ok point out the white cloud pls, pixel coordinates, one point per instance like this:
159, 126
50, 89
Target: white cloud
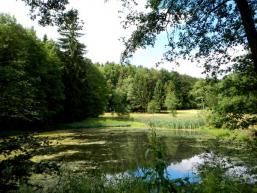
187, 165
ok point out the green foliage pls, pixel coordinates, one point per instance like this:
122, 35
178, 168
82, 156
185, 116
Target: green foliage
31, 88
158, 94
183, 84
171, 103
85, 86
140, 91
237, 99
138, 86
43, 83
205, 94
94, 92
232, 100
196, 29
70, 29
119, 103
153, 107
47, 12
178, 123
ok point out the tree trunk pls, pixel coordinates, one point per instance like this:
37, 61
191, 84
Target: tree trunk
249, 26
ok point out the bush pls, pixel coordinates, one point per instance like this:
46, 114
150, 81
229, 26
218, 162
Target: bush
153, 107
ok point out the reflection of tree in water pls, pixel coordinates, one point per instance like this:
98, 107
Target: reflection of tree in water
178, 148
223, 174
110, 151
114, 151
120, 150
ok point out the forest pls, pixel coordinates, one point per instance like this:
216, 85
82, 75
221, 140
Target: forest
68, 124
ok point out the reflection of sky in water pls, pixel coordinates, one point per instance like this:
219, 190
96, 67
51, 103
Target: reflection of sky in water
184, 169
187, 168
170, 174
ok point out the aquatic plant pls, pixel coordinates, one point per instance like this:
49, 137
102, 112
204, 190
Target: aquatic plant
176, 123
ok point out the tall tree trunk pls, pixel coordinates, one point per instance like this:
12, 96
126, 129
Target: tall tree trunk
250, 30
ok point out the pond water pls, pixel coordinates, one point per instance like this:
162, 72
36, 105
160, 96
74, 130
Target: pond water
117, 151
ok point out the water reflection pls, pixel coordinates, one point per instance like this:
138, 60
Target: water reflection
191, 169
115, 151
187, 168
121, 151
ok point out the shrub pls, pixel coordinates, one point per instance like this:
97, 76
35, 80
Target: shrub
153, 107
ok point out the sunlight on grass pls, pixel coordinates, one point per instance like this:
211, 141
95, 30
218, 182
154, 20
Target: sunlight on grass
104, 121
221, 133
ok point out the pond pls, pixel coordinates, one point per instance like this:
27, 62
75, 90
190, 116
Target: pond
116, 151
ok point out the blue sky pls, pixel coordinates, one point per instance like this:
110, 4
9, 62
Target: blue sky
102, 31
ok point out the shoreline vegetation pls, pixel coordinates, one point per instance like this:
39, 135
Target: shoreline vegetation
185, 120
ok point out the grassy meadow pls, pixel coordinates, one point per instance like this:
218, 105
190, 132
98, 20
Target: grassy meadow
184, 120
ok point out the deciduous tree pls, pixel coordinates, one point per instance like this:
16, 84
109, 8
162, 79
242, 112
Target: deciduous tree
201, 29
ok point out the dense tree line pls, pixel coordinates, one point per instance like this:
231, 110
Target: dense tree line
45, 81
233, 99
42, 82
230, 101
139, 89
30, 75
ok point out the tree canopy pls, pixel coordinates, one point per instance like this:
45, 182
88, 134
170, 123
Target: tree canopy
47, 12
42, 82
30, 70
205, 30
202, 29
85, 86
139, 89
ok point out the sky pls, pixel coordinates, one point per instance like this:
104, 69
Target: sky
102, 32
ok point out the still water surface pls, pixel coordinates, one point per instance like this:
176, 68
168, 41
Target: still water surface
119, 150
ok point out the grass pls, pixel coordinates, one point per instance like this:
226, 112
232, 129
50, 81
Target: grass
104, 121
226, 134
186, 119
176, 123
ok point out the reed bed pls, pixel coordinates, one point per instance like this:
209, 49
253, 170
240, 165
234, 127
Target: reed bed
174, 123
